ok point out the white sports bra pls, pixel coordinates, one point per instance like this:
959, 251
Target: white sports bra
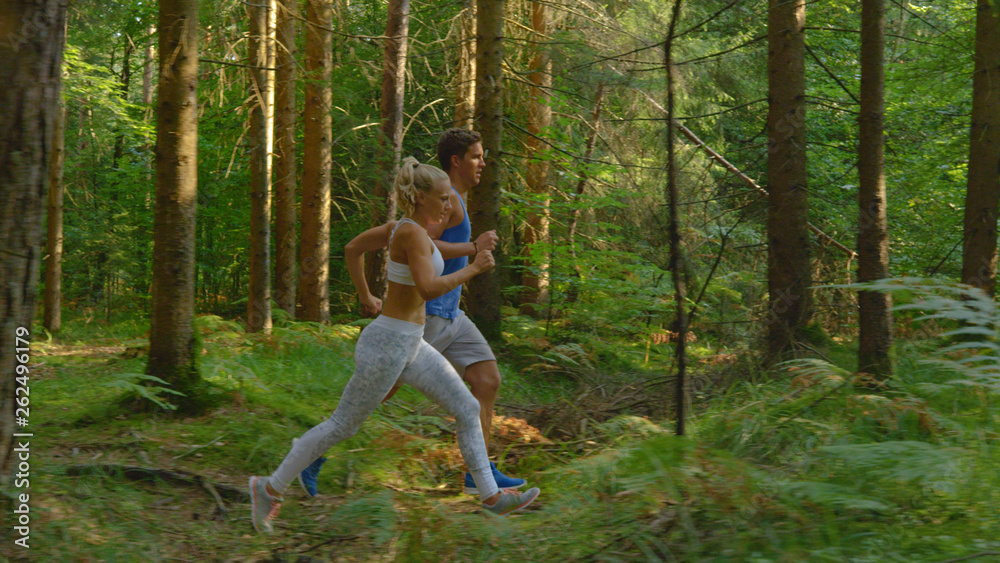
400, 273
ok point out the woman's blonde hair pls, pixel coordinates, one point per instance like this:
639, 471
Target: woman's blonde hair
414, 177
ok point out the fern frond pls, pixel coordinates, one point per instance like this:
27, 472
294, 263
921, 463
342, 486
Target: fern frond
834, 496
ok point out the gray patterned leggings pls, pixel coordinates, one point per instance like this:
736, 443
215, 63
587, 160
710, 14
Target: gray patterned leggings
389, 350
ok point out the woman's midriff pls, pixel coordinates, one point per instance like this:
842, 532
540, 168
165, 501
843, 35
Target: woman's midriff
403, 302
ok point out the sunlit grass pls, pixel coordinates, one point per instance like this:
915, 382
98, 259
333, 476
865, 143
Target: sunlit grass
801, 464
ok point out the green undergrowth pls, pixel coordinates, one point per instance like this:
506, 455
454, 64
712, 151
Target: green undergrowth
807, 463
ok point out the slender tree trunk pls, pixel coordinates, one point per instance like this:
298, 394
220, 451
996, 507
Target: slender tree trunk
29, 101
874, 308
535, 275
54, 240
314, 249
126, 78
573, 293
285, 160
148, 68
676, 256
484, 201
979, 256
789, 274
393, 89
465, 91
171, 338
259, 297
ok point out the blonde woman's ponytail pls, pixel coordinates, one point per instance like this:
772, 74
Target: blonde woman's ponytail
414, 177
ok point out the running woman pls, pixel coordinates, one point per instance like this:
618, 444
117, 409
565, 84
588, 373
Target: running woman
391, 349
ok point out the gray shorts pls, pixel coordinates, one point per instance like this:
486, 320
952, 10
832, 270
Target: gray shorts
458, 340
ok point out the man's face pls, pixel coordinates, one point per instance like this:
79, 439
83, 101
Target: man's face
471, 165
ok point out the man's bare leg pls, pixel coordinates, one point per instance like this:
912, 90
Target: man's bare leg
484, 382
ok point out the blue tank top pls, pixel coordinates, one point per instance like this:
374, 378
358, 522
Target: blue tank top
447, 305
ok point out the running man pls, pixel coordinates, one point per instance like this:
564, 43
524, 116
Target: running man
447, 328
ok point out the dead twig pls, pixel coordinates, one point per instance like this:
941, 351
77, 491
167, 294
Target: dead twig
196, 448
138, 473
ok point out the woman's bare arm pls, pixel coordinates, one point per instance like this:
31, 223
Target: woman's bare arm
371, 240
418, 251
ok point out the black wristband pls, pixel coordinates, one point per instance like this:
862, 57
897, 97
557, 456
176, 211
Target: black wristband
476, 247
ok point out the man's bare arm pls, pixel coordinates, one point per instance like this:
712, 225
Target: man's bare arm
485, 241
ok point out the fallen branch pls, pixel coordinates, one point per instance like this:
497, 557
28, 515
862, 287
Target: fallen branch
218, 499
138, 473
334, 539
973, 556
196, 448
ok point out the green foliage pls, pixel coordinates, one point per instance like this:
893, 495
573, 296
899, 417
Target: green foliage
805, 465
375, 514
144, 387
906, 462
971, 320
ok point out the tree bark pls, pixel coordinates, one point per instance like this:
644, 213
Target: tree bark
34, 34
676, 256
573, 292
874, 308
285, 159
54, 219
148, 67
465, 91
535, 275
259, 296
314, 249
484, 201
393, 89
979, 256
788, 275
126, 78
171, 337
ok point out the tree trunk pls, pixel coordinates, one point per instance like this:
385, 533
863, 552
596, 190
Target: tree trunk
171, 336
676, 256
54, 241
259, 297
484, 201
465, 91
285, 160
788, 275
393, 89
126, 78
29, 101
535, 276
874, 308
979, 256
573, 292
148, 68
314, 249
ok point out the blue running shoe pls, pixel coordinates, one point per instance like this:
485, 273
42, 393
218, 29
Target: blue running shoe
308, 477
503, 481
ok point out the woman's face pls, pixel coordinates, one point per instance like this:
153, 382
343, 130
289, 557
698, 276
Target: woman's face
436, 203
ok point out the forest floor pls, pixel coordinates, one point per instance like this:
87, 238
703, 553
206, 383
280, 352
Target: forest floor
110, 485
803, 466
